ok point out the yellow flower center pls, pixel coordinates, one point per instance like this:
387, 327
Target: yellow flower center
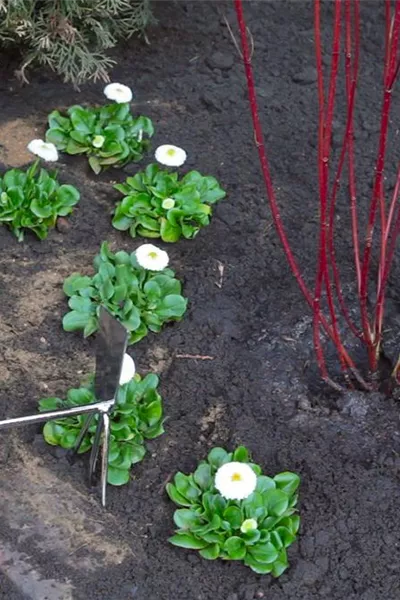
153, 255
236, 477
171, 152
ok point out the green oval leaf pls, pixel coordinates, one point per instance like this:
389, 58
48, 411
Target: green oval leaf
58, 137
277, 502
53, 432
68, 439
169, 232
235, 547
265, 483
68, 195
117, 476
172, 306
281, 564
218, 456
211, 552
257, 567
251, 537
234, 516
95, 165
186, 519
41, 209
74, 283
176, 496
203, 476
185, 540
122, 223
264, 553
74, 321
50, 404
80, 304
80, 397
286, 536
241, 454
287, 482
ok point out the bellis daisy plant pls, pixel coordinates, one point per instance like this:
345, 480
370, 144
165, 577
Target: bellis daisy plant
230, 510
157, 204
136, 417
108, 135
34, 199
137, 289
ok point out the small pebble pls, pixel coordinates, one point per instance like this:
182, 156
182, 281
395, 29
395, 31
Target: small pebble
304, 403
211, 101
306, 76
220, 60
63, 225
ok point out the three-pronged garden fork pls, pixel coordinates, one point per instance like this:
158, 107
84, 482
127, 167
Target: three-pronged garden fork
111, 342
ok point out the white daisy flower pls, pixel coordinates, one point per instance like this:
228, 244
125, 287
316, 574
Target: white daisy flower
171, 156
248, 525
168, 203
98, 141
44, 150
151, 258
128, 370
235, 480
118, 92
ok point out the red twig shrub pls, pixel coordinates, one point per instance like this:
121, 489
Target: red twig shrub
325, 298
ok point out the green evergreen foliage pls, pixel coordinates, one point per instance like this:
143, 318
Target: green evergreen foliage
70, 37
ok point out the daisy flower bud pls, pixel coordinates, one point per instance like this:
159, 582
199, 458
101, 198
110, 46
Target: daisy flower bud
98, 141
168, 203
248, 525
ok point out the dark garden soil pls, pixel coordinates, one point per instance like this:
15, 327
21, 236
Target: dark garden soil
260, 387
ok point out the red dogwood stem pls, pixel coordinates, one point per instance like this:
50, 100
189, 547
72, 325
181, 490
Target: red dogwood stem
390, 255
324, 151
331, 247
388, 29
351, 78
373, 343
347, 147
272, 198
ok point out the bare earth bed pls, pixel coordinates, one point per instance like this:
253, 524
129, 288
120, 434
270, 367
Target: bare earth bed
259, 389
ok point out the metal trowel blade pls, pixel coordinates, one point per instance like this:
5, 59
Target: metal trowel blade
111, 341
